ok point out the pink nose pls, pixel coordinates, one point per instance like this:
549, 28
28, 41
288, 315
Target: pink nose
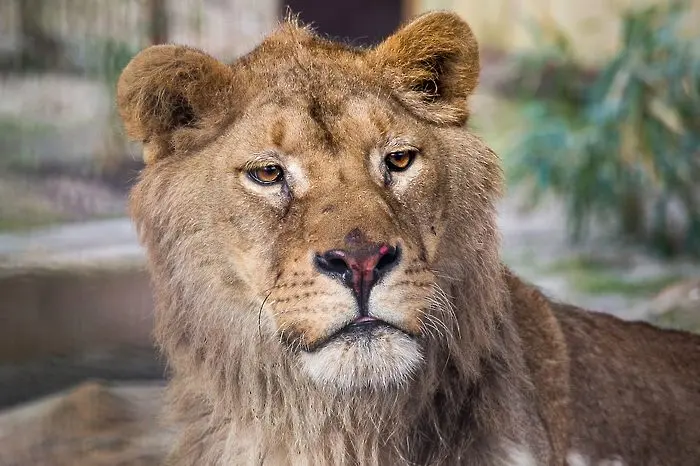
359, 269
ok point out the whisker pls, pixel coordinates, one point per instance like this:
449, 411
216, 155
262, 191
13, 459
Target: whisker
260, 315
447, 307
434, 323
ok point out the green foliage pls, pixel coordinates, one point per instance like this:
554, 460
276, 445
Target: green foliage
623, 144
598, 278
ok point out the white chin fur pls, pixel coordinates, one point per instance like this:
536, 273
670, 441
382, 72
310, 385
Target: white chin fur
385, 359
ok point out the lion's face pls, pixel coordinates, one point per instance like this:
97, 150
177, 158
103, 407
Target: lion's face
319, 200
336, 234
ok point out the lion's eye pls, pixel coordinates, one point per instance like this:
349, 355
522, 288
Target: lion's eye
400, 160
269, 174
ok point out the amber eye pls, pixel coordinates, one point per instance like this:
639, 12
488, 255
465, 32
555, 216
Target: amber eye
269, 174
400, 160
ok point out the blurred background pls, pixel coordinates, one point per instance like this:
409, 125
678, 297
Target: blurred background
594, 108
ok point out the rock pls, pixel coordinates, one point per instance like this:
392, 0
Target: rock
678, 306
92, 425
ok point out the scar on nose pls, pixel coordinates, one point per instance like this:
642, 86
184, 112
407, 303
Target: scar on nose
328, 209
355, 237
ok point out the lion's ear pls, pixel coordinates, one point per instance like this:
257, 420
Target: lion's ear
172, 98
433, 64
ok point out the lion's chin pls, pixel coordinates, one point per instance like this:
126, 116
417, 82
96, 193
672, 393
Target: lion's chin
378, 358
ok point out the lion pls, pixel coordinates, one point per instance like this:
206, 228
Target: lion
320, 226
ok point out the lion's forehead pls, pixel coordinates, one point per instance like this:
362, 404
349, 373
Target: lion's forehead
299, 61
311, 124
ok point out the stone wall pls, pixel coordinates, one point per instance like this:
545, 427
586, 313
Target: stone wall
61, 112
225, 27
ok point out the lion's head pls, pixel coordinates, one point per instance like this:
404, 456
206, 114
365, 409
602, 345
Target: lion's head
309, 209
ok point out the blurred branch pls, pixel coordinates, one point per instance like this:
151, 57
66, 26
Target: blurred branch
158, 24
621, 144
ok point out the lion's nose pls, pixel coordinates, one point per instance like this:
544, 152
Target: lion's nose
359, 269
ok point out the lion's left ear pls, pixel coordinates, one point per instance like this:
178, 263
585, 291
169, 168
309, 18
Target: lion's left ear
433, 65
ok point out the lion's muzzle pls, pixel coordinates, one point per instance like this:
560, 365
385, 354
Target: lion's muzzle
359, 268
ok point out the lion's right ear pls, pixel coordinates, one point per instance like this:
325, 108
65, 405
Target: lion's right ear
172, 98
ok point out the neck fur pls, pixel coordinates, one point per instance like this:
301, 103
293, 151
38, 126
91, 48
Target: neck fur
270, 413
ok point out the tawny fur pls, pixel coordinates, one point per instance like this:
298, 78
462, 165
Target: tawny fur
487, 371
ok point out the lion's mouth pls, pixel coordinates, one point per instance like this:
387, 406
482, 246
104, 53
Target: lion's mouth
361, 328
363, 320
